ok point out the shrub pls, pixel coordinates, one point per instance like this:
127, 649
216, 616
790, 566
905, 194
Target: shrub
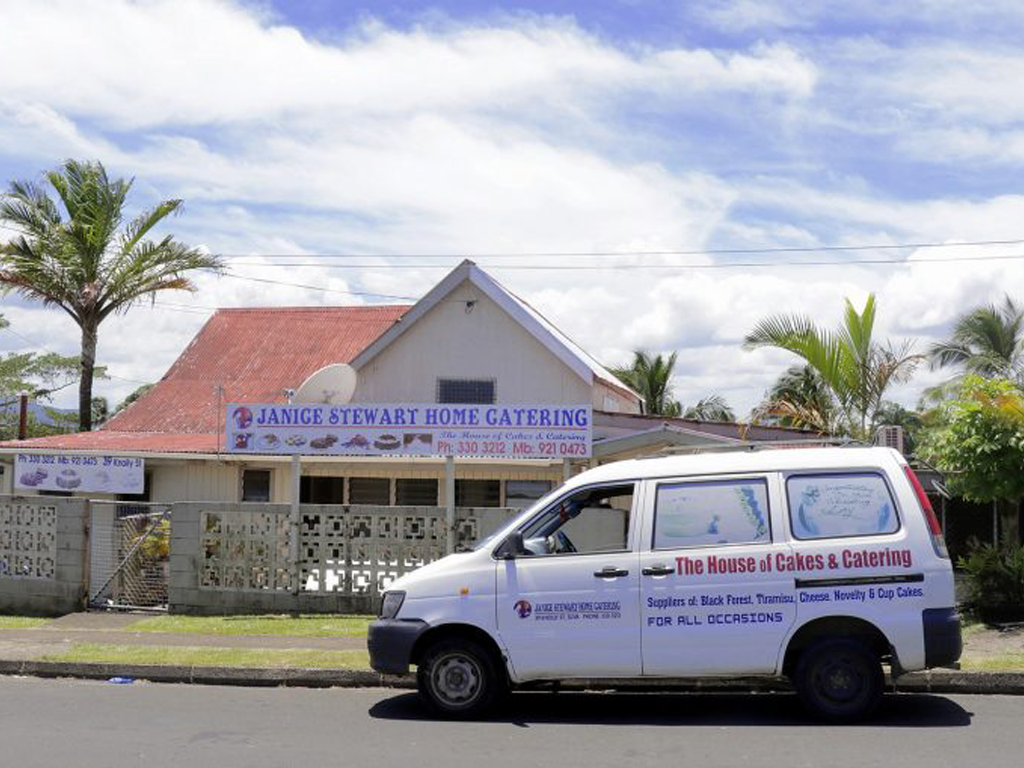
995, 581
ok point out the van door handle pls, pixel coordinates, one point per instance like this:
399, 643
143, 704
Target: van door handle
610, 572
658, 570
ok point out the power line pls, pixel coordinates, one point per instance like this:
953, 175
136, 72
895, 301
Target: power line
588, 254
316, 287
598, 267
40, 348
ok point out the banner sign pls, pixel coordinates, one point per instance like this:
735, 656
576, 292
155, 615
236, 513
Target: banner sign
419, 429
61, 472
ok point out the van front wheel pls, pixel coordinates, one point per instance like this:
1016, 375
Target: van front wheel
458, 678
839, 680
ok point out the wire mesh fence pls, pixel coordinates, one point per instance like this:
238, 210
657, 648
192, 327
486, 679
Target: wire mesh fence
129, 555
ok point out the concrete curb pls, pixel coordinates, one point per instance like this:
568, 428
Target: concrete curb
295, 677
1002, 683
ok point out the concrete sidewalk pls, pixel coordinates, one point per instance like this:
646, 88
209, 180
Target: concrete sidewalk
22, 651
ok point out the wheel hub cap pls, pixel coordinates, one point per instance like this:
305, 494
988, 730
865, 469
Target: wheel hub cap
457, 679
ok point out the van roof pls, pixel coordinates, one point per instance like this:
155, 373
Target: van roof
771, 460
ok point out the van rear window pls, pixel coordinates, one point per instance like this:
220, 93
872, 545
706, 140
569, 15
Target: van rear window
838, 505
700, 514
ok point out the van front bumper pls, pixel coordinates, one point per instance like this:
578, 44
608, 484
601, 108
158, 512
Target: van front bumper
390, 642
942, 641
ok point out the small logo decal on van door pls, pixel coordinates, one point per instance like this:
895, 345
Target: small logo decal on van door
523, 608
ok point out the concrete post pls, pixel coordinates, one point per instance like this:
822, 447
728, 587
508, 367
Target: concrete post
449, 499
293, 549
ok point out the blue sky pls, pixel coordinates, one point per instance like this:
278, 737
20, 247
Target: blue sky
298, 129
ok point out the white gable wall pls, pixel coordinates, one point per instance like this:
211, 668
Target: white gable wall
483, 343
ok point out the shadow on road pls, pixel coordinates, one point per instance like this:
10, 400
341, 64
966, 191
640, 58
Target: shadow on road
700, 709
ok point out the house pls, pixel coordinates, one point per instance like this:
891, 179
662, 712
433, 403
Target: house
468, 340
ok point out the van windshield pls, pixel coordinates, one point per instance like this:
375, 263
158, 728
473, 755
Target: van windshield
503, 530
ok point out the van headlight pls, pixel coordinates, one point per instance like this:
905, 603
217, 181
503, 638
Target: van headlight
391, 604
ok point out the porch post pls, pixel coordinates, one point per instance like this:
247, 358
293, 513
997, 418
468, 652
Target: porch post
449, 499
293, 548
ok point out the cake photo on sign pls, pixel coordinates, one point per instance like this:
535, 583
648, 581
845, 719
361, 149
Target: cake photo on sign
322, 443
34, 478
68, 478
268, 442
387, 442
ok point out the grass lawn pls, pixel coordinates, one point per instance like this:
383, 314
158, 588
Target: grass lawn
91, 653
21, 622
1006, 662
297, 626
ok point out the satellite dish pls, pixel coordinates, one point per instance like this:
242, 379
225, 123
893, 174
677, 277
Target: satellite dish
331, 385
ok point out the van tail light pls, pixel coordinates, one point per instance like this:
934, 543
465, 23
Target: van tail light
938, 543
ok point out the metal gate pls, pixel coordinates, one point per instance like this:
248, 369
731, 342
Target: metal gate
129, 555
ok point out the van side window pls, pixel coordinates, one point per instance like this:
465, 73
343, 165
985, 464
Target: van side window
589, 521
708, 513
836, 505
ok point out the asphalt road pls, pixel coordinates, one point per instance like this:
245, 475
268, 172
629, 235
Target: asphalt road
80, 724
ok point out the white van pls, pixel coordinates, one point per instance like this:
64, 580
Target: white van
814, 564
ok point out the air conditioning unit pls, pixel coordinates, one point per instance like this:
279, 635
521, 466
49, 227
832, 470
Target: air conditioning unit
890, 436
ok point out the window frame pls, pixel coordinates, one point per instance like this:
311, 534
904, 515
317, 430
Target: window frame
478, 380
897, 511
631, 532
731, 479
270, 485
411, 480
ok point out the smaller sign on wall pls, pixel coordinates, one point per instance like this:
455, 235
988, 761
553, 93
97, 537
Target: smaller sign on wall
63, 472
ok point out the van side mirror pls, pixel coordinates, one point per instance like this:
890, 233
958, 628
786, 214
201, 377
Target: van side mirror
512, 547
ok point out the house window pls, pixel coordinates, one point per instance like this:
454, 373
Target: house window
477, 493
322, 490
256, 485
415, 492
522, 493
470, 391
369, 490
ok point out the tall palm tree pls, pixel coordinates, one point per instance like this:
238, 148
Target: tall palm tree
74, 253
855, 368
800, 399
987, 341
651, 376
710, 408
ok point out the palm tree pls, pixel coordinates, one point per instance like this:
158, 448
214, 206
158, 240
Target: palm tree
987, 341
855, 368
73, 253
799, 399
651, 376
710, 408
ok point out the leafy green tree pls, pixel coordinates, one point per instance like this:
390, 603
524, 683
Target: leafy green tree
651, 376
100, 410
710, 408
896, 415
856, 369
987, 341
39, 375
799, 399
132, 397
979, 442
75, 252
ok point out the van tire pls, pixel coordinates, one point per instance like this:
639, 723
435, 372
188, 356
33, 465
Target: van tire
839, 680
459, 679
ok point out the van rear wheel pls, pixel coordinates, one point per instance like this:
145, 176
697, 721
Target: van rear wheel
459, 679
839, 680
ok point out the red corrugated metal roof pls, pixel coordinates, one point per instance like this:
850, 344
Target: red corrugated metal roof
252, 354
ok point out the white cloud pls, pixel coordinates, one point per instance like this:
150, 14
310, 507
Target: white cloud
132, 68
